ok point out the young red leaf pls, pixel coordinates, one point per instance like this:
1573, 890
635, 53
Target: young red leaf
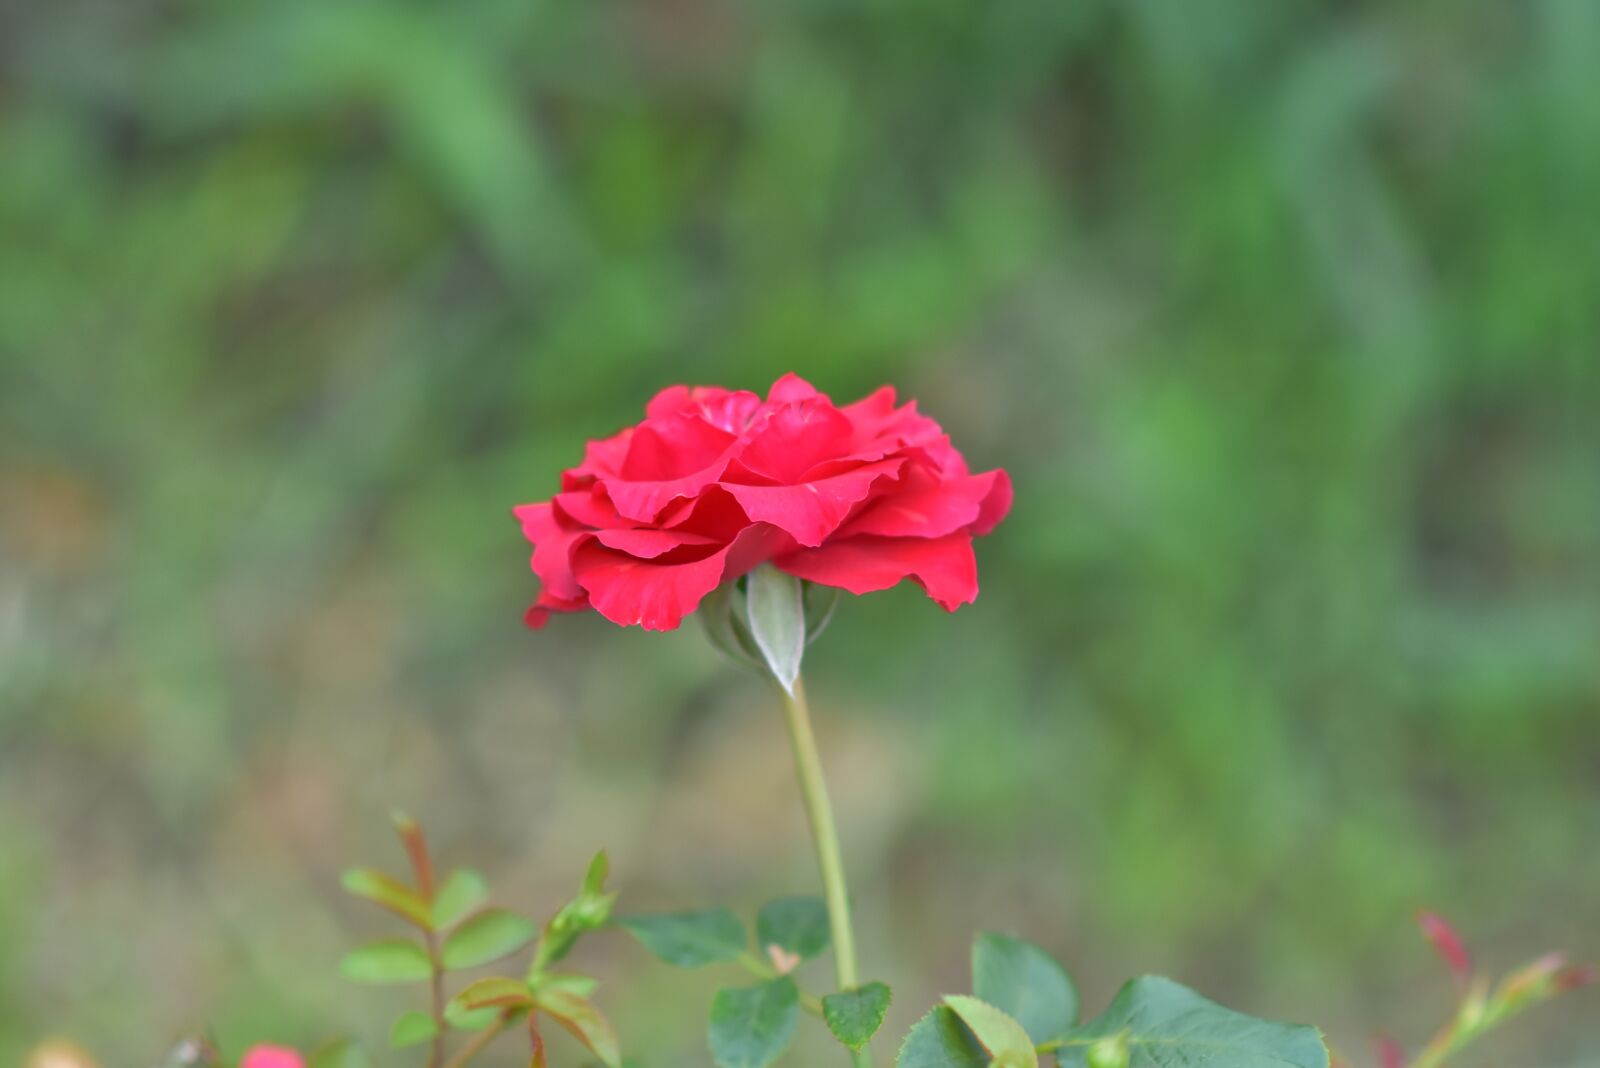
1390, 1055
584, 1020
416, 846
538, 1059
1447, 943
497, 992
390, 893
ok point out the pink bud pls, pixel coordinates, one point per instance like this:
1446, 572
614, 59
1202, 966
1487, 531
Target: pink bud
271, 1057
1446, 943
1390, 1055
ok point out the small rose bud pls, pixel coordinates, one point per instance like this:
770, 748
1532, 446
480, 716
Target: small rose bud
1390, 1053
782, 960
1109, 1052
1446, 943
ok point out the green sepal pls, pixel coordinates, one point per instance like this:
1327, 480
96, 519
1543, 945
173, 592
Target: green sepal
776, 608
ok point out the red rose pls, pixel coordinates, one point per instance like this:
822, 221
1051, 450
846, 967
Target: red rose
715, 482
271, 1057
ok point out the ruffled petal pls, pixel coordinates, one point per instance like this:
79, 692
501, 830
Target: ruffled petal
791, 439
944, 567
553, 542
539, 613
729, 410
922, 505
996, 503
647, 544
812, 510
656, 596
665, 463
791, 388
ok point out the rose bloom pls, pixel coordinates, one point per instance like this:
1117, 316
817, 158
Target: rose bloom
264, 1056
715, 482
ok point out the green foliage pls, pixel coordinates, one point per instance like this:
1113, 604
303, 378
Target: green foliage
751, 1026
497, 992
581, 1017
487, 936
1008, 1045
689, 939
1278, 312
1023, 980
389, 892
941, 1040
854, 1016
462, 892
588, 911
339, 1053
392, 960
462, 1018
1169, 1026
797, 925
411, 1028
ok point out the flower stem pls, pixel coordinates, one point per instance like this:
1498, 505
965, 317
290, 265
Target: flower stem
825, 837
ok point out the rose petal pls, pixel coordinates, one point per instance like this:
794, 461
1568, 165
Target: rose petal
996, 503
944, 567
647, 544
656, 596
926, 506
790, 388
538, 614
725, 409
552, 541
812, 510
264, 1056
791, 439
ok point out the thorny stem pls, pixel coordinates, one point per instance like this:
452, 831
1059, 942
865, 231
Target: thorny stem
825, 837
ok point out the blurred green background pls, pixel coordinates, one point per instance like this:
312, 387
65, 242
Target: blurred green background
1282, 315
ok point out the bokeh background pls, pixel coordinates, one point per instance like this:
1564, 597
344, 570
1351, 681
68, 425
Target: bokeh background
1282, 315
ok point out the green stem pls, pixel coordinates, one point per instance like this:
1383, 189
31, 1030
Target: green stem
825, 837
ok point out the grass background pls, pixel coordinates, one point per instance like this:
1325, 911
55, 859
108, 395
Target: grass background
1282, 315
